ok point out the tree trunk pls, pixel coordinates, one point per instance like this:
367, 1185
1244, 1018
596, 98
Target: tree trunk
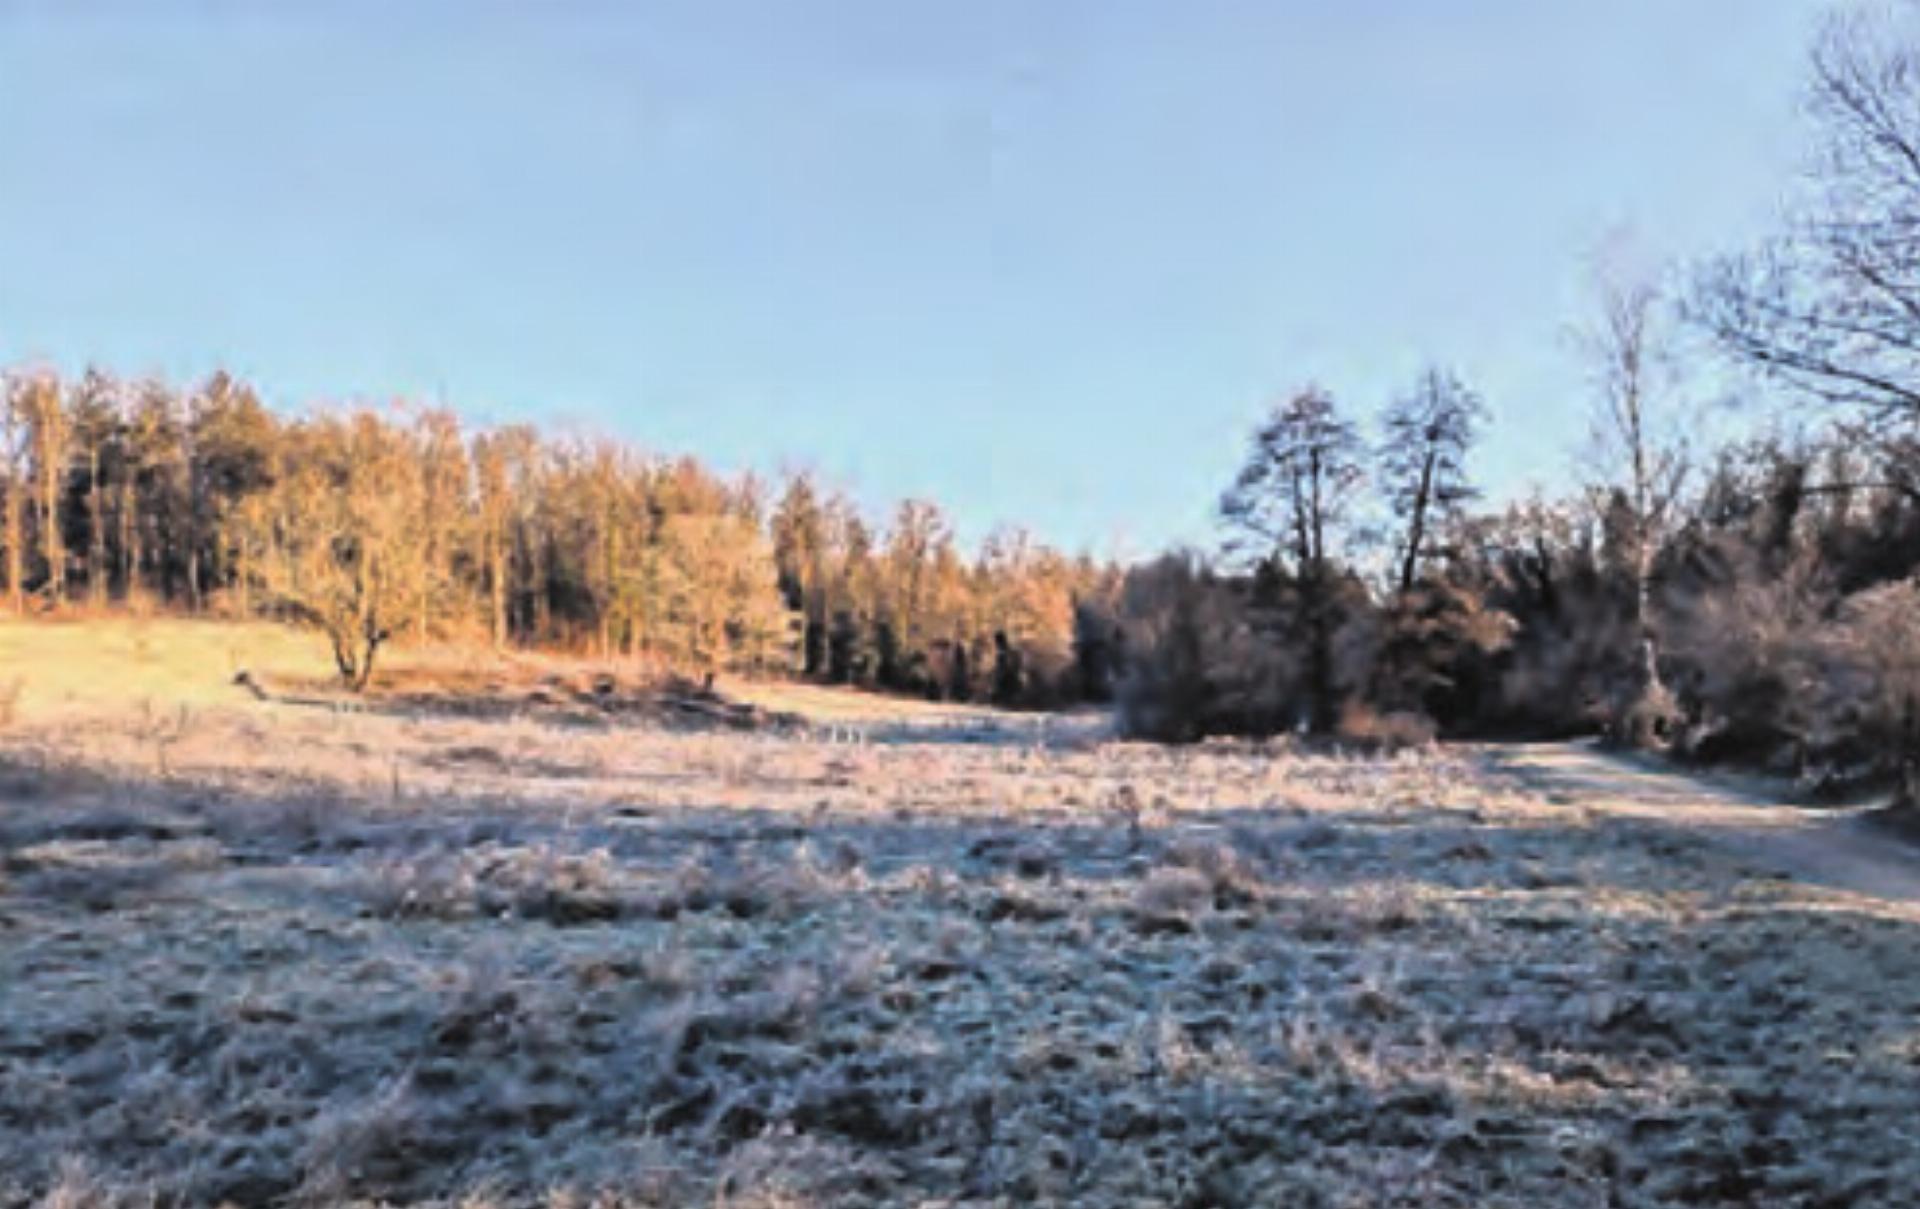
370, 648
130, 552
15, 537
542, 596
123, 518
242, 578
1417, 526
497, 584
97, 532
1319, 629
52, 549
1320, 686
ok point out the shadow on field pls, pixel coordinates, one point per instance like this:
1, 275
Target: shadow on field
208, 996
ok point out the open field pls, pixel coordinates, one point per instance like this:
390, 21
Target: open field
274, 951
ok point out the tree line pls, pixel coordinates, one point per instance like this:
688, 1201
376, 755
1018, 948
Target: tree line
1756, 602
374, 524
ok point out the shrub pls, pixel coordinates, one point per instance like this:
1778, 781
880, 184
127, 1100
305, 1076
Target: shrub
1195, 666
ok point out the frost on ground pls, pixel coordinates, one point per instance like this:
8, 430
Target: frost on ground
327, 958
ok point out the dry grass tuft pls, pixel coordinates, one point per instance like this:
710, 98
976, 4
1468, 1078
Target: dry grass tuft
538, 882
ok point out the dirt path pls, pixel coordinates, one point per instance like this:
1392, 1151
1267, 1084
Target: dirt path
1841, 849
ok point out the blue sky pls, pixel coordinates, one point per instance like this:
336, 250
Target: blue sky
1041, 262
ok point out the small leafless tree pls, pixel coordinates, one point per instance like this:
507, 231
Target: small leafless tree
1642, 463
356, 569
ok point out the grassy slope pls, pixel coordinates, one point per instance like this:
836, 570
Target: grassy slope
80, 666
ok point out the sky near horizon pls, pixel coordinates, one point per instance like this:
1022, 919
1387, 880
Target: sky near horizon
1044, 263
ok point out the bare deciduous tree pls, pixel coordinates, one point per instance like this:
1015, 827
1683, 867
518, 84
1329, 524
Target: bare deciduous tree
13, 529
1423, 464
356, 568
1298, 482
37, 402
493, 492
1642, 463
1291, 497
96, 422
1832, 308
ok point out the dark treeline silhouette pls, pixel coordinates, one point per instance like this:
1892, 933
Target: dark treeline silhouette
1783, 599
1756, 602
372, 525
